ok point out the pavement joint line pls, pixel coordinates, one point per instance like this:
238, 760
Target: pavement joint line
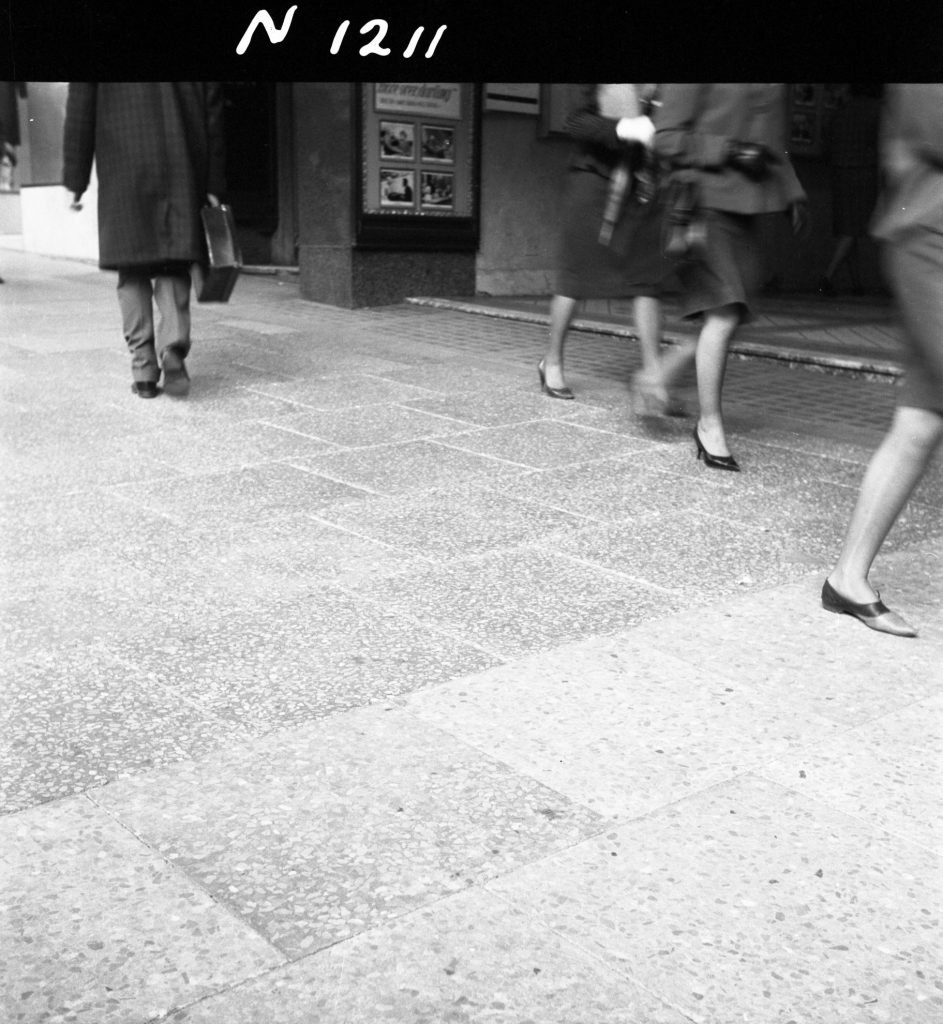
791, 356
223, 904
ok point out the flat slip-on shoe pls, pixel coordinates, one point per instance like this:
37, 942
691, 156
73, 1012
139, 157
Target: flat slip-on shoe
874, 614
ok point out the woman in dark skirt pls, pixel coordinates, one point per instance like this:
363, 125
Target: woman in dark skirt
609, 246
910, 224
728, 142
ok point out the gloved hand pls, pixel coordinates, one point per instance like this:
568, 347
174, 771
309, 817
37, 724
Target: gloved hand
636, 129
750, 158
799, 218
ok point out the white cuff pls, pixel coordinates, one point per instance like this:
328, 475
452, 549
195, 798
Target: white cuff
636, 129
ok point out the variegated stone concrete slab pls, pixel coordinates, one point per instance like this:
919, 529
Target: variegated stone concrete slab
749, 902
621, 727
343, 390
410, 466
367, 425
518, 601
284, 662
886, 773
444, 524
81, 718
320, 833
468, 959
99, 929
774, 636
699, 556
542, 443
243, 495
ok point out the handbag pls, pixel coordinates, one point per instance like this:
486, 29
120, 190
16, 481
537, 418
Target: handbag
215, 280
684, 227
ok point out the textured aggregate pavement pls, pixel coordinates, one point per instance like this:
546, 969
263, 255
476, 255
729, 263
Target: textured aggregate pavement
368, 684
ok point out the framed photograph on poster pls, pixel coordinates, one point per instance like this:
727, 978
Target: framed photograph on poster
437, 189
806, 117
804, 94
418, 186
438, 144
833, 93
397, 140
397, 187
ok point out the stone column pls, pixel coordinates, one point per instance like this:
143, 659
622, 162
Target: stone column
332, 269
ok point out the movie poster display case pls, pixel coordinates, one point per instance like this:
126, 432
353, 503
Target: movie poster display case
418, 186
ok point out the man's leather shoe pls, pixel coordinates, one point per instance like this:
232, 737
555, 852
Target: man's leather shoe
145, 389
176, 378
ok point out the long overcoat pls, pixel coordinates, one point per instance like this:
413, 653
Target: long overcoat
158, 150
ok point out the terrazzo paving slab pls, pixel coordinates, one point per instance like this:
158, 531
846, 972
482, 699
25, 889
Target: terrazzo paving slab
517, 602
885, 773
213, 402
697, 556
913, 579
493, 406
619, 726
619, 489
98, 929
814, 444
477, 382
283, 664
368, 425
621, 417
58, 470
774, 636
300, 359
300, 548
542, 443
207, 448
320, 833
468, 959
748, 902
39, 526
410, 466
240, 495
79, 718
442, 525
76, 428
344, 391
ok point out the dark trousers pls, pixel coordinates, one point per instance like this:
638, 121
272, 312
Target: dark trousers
139, 290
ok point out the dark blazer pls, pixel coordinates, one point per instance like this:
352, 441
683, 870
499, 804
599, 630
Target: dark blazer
696, 124
598, 148
158, 149
912, 161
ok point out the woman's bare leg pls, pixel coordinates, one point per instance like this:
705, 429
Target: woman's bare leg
562, 308
649, 321
892, 475
711, 363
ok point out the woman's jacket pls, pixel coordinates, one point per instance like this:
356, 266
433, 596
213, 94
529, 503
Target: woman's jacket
695, 127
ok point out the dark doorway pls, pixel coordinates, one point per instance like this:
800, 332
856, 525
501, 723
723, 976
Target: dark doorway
252, 165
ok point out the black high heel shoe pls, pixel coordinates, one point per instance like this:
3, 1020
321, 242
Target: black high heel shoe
547, 390
874, 614
714, 461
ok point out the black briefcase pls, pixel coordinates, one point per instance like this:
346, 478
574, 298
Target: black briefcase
215, 281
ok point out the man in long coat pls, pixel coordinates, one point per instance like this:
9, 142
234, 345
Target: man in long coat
159, 154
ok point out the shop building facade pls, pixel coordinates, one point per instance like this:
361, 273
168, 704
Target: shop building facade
377, 191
